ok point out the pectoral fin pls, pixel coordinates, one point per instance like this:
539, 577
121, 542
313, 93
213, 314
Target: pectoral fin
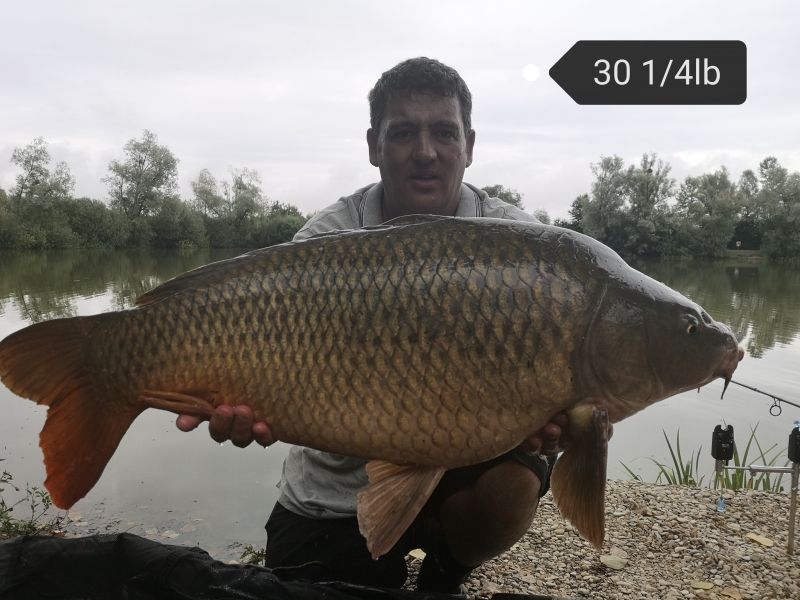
180, 404
579, 477
393, 499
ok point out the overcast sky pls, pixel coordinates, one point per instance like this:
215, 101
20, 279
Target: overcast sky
281, 87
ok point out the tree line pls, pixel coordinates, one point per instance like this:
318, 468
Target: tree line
638, 210
145, 209
641, 211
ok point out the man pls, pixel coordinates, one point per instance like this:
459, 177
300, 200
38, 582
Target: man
421, 139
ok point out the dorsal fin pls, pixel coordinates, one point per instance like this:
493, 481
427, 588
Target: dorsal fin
329, 233
184, 281
196, 276
409, 220
207, 272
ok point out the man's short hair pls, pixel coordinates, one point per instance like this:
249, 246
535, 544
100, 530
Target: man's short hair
419, 76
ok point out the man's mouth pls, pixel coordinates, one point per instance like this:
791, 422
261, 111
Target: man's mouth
425, 182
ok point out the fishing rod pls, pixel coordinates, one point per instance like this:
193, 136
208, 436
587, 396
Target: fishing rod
775, 410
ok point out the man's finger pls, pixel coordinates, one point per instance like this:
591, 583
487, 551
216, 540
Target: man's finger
187, 422
533, 444
242, 429
221, 424
262, 434
561, 419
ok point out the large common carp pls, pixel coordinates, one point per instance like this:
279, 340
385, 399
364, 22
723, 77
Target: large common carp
427, 344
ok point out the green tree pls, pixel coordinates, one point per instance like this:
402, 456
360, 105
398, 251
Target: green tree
37, 182
748, 228
779, 203
648, 224
277, 229
709, 205
576, 212
233, 200
575, 221
748, 189
505, 194
542, 215
604, 216
178, 225
648, 185
147, 176
33, 217
33, 160
6, 221
230, 206
95, 224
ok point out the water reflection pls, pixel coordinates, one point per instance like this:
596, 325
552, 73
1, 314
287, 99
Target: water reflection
759, 301
46, 285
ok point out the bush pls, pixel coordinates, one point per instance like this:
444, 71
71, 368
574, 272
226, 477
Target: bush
275, 230
96, 224
178, 225
782, 235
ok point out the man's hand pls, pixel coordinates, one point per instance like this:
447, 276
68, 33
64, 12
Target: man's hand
235, 423
553, 437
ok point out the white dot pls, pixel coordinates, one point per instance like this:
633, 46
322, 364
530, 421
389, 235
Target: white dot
531, 72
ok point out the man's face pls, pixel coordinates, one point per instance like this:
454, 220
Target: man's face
421, 151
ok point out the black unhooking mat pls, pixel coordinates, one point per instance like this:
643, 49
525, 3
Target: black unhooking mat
127, 567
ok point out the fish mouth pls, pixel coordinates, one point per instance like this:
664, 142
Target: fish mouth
728, 365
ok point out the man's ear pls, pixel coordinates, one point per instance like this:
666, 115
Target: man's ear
470, 146
372, 143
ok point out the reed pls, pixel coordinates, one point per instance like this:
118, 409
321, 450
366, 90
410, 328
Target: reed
736, 480
687, 472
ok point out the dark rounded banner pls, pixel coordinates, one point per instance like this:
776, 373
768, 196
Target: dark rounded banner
654, 72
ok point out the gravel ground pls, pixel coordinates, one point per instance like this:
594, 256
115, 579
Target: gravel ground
673, 544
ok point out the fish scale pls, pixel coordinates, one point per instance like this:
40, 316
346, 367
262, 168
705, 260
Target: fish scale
396, 334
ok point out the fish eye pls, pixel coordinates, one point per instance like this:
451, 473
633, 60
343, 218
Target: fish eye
691, 324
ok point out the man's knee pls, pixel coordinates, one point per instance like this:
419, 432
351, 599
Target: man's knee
486, 518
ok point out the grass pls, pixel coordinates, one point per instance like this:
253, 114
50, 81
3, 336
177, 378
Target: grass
33, 505
681, 472
686, 472
736, 480
251, 556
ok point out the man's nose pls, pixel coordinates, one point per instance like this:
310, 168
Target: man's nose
424, 148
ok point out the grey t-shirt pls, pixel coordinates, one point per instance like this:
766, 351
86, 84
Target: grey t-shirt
319, 484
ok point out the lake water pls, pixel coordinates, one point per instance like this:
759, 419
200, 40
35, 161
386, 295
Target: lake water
185, 488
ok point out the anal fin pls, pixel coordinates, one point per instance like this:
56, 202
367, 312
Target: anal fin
392, 501
578, 481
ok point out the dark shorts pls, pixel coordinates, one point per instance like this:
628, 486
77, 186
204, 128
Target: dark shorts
335, 550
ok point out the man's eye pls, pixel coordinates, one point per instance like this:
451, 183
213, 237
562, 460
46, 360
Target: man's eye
402, 134
447, 134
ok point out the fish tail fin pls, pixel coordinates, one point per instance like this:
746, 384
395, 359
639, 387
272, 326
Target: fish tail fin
578, 481
46, 363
